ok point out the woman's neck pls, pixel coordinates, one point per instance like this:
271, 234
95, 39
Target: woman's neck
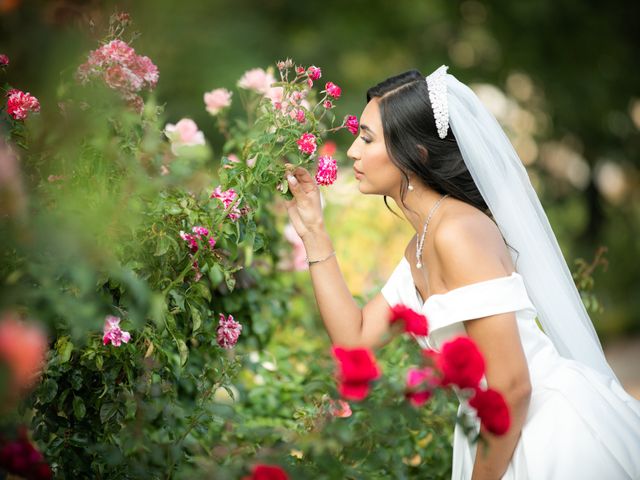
419, 203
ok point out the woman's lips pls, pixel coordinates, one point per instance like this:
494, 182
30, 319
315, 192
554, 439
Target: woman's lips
357, 172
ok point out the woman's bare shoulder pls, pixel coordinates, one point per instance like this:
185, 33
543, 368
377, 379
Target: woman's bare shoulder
469, 246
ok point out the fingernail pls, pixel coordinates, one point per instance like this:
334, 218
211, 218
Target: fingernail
292, 180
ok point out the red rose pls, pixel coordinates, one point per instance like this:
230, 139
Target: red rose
333, 90
356, 368
414, 322
267, 472
461, 363
420, 385
492, 410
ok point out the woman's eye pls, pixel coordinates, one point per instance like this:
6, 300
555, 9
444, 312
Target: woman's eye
365, 140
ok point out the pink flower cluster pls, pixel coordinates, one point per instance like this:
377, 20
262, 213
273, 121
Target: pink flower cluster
113, 334
121, 69
199, 233
327, 171
227, 197
4, 60
19, 104
307, 143
228, 331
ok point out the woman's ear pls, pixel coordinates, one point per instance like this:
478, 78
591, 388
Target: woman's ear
424, 153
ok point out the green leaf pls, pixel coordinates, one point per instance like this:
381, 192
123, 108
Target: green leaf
162, 246
196, 319
215, 274
184, 351
49, 390
64, 347
200, 290
79, 410
230, 280
107, 411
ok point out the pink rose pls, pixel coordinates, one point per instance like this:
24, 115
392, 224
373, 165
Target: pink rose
112, 332
351, 123
314, 72
307, 143
228, 331
217, 99
327, 170
257, 80
327, 104
276, 95
182, 134
19, 104
4, 60
420, 385
333, 90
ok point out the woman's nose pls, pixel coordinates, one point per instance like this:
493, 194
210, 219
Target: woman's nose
353, 153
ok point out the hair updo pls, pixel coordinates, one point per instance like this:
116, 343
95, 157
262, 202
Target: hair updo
413, 143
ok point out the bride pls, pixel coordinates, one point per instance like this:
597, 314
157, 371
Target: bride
484, 263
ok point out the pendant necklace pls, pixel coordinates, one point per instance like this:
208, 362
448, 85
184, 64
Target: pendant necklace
420, 242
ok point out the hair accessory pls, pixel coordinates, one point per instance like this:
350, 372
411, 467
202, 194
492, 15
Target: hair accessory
438, 97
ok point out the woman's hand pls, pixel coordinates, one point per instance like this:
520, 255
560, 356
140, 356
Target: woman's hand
305, 209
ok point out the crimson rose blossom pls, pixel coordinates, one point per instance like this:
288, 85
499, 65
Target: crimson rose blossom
461, 363
227, 197
228, 331
19, 104
413, 322
20, 457
113, 334
267, 472
314, 72
492, 410
307, 143
356, 369
351, 122
420, 385
4, 60
333, 90
327, 170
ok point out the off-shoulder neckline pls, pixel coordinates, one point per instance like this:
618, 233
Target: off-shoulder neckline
457, 289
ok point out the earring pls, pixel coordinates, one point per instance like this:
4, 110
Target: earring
410, 187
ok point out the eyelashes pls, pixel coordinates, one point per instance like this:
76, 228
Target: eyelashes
365, 140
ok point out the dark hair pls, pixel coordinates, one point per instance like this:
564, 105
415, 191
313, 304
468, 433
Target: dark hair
413, 143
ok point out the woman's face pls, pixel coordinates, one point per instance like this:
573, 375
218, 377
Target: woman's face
378, 175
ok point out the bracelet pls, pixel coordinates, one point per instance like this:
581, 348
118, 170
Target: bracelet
311, 262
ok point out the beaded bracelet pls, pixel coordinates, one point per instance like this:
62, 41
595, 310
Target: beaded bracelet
311, 262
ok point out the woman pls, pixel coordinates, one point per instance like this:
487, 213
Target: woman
431, 146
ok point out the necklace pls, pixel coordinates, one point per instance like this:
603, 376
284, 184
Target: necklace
420, 242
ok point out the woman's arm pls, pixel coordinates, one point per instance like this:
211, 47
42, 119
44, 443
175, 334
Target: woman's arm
346, 324
469, 250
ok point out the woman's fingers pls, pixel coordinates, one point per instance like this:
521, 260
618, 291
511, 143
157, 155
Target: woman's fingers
305, 180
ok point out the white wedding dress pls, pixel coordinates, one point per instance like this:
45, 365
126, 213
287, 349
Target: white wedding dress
580, 424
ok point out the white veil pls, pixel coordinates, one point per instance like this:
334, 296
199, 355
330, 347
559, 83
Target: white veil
504, 184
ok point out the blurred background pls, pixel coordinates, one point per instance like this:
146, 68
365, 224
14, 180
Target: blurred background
562, 77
